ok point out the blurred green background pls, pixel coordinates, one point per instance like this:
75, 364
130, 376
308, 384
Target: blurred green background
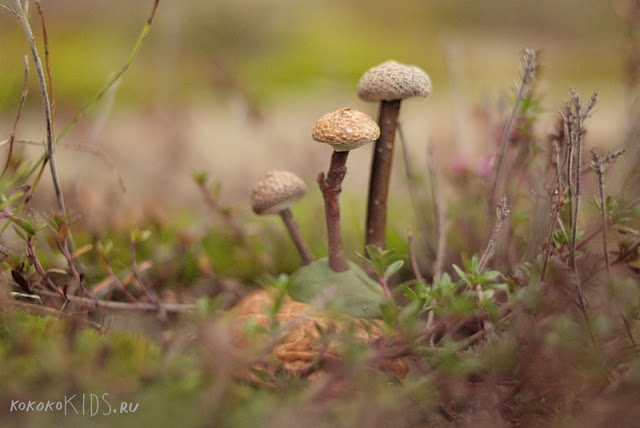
276, 48
234, 87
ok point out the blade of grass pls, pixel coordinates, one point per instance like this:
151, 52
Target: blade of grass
116, 77
46, 102
23, 99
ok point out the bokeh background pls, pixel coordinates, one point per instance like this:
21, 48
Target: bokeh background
234, 87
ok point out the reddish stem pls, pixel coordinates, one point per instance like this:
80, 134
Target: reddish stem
331, 187
381, 174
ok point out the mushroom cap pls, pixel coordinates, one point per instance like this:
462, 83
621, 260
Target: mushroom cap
276, 191
392, 80
345, 129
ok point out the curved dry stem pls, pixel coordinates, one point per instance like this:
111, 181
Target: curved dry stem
23, 99
95, 151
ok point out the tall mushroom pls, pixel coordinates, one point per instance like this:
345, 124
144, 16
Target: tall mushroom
344, 129
274, 193
389, 83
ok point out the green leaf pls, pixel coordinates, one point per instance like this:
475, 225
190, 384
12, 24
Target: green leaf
409, 314
200, 177
475, 264
140, 235
463, 276
389, 313
25, 225
488, 276
409, 293
104, 248
20, 234
393, 268
445, 280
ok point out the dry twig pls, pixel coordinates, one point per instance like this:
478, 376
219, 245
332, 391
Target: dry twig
527, 74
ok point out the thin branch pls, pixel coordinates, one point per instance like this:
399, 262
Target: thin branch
599, 167
23, 99
74, 271
557, 203
119, 285
214, 203
96, 303
502, 212
136, 272
31, 254
574, 115
527, 74
8, 9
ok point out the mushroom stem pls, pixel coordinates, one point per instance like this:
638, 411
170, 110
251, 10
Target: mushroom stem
330, 186
375, 231
294, 231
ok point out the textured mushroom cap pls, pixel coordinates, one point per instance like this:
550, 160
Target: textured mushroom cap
394, 81
276, 191
345, 129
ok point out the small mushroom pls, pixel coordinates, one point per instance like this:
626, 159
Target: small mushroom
344, 129
389, 83
274, 193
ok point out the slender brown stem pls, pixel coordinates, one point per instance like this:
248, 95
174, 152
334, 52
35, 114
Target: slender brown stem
162, 314
376, 226
296, 236
331, 187
31, 254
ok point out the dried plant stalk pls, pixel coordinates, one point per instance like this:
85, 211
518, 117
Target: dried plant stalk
527, 74
502, 212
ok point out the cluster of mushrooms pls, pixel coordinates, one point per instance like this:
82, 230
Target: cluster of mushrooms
344, 130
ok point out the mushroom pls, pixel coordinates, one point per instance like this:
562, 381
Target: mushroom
344, 129
274, 193
389, 83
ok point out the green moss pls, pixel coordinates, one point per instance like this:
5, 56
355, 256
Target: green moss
354, 292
